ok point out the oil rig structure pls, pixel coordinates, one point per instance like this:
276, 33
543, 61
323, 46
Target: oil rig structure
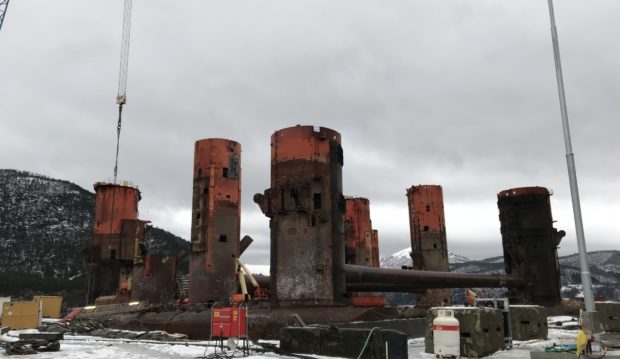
324, 256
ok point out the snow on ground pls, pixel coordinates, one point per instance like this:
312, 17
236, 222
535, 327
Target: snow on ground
416, 350
78, 347
81, 346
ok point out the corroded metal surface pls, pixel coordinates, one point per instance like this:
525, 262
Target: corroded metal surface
118, 237
306, 208
530, 243
429, 245
361, 245
245, 243
359, 300
360, 278
112, 258
215, 220
154, 280
361, 241
376, 260
264, 323
107, 277
113, 204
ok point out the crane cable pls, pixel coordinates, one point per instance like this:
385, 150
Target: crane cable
121, 97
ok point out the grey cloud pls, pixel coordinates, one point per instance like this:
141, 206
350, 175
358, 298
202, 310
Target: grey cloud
458, 93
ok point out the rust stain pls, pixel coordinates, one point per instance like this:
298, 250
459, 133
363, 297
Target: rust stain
155, 280
215, 220
530, 243
113, 204
306, 208
118, 239
360, 238
429, 245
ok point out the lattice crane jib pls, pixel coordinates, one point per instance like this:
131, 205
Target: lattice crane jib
4, 4
121, 97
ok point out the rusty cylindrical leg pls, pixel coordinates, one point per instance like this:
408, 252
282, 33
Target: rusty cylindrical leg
306, 207
115, 229
429, 245
530, 243
215, 220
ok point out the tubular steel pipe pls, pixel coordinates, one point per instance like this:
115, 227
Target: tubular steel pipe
244, 244
369, 279
586, 276
382, 287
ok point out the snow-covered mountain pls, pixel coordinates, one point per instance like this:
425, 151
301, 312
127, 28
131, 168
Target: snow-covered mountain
403, 258
45, 224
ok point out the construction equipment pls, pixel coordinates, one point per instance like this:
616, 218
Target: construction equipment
4, 4
242, 272
472, 294
231, 322
470, 297
588, 317
21, 315
121, 97
50, 305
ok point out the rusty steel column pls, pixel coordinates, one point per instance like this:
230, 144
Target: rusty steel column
215, 220
530, 243
154, 279
360, 238
376, 259
361, 244
429, 246
306, 207
116, 230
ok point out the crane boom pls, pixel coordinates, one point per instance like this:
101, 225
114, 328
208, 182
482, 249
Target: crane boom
4, 4
121, 97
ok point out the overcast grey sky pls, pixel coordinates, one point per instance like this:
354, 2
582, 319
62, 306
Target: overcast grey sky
451, 92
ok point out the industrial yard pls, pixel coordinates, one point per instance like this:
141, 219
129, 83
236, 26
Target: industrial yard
324, 292
80, 346
308, 141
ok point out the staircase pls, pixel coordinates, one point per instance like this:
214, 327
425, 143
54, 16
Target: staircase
182, 285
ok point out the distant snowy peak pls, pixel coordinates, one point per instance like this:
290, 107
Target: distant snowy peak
397, 260
403, 258
455, 258
403, 253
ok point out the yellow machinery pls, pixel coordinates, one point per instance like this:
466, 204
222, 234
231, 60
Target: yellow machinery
50, 305
21, 315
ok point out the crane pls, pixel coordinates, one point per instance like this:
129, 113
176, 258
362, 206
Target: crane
4, 4
121, 97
